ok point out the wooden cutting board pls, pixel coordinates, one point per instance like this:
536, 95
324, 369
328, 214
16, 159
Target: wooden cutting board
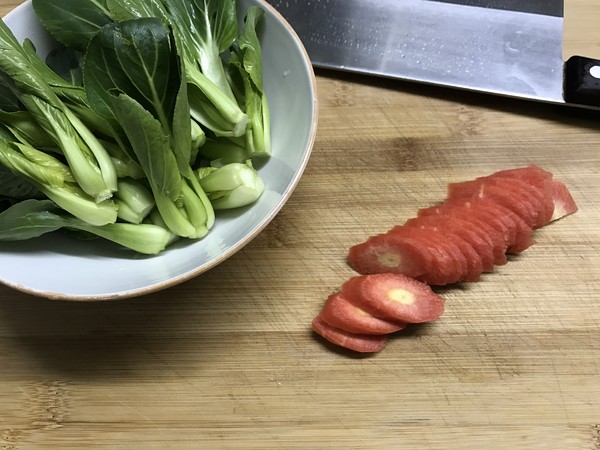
228, 359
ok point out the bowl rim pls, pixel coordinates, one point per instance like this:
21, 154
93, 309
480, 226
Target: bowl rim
173, 281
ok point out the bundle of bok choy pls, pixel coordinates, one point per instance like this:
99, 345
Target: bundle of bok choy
145, 120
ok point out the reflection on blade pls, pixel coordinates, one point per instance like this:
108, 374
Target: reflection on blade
501, 51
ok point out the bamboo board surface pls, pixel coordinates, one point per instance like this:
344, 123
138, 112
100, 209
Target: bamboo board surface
228, 360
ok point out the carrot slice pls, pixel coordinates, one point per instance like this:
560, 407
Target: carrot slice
391, 253
363, 343
394, 297
531, 195
520, 234
458, 257
534, 176
564, 204
447, 267
499, 195
466, 230
474, 263
493, 229
523, 233
340, 313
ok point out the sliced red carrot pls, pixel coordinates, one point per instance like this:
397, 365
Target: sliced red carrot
466, 230
484, 208
446, 267
493, 229
394, 297
340, 313
534, 176
502, 196
474, 263
531, 196
564, 204
474, 266
520, 234
364, 343
391, 253
530, 172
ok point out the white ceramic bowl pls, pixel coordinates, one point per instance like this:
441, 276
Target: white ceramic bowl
60, 267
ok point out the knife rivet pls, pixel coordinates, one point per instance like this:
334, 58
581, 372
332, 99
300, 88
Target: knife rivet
595, 71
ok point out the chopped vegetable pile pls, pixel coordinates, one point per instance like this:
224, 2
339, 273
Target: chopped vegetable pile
149, 116
473, 230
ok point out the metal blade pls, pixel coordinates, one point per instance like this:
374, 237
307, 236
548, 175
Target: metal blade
506, 47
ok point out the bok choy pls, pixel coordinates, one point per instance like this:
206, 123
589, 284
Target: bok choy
88, 160
204, 30
153, 109
146, 120
33, 218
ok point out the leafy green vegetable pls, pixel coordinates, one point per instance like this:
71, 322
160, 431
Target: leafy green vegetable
88, 160
247, 59
54, 180
134, 200
67, 64
73, 23
107, 135
33, 218
13, 187
208, 29
211, 100
133, 72
231, 186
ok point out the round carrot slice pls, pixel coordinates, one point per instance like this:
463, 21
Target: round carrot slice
391, 253
531, 196
363, 343
340, 313
523, 238
494, 229
537, 177
481, 189
444, 268
394, 297
474, 266
466, 230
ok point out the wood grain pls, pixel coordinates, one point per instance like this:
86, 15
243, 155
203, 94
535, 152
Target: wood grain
228, 360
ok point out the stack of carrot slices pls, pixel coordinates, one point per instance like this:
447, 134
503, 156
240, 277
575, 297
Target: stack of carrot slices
473, 230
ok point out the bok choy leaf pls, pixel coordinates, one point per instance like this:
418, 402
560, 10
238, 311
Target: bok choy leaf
89, 161
133, 71
203, 29
33, 218
246, 58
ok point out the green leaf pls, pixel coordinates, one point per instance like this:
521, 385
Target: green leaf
216, 23
208, 28
12, 158
28, 219
9, 102
73, 23
150, 144
250, 48
247, 60
26, 75
15, 187
67, 64
33, 218
136, 57
121, 10
25, 129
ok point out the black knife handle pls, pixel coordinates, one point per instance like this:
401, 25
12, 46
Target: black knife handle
582, 81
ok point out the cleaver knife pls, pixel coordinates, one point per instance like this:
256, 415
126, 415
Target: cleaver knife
512, 48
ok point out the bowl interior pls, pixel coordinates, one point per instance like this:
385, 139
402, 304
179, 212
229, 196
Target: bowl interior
58, 266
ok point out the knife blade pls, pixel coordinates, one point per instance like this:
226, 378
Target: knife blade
504, 47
